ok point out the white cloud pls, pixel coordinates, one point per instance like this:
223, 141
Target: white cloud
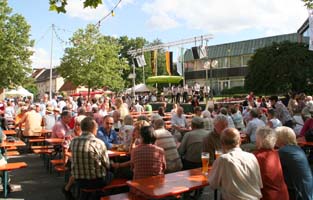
216, 16
41, 59
75, 8
162, 22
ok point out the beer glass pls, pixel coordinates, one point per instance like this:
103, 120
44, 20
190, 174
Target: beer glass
205, 157
218, 153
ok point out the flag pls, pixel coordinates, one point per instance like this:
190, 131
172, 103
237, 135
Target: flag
169, 62
180, 62
154, 56
311, 29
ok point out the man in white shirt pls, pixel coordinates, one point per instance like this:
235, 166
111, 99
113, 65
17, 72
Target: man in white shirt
236, 173
179, 124
138, 107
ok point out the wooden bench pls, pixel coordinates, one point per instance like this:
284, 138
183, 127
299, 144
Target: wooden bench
116, 183
123, 196
41, 147
46, 155
12, 153
10, 148
9, 167
56, 163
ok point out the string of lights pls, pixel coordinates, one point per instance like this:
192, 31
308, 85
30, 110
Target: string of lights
59, 38
43, 36
111, 13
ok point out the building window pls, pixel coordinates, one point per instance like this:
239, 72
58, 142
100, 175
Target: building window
245, 59
235, 61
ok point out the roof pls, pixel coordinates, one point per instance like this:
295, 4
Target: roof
45, 76
37, 72
242, 47
67, 86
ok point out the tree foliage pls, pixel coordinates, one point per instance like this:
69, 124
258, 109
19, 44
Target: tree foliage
308, 3
137, 43
93, 60
15, 47
59, 5
280, 68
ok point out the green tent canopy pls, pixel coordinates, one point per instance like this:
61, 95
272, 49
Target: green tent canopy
164, 79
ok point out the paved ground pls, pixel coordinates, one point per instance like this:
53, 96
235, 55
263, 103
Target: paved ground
38, 184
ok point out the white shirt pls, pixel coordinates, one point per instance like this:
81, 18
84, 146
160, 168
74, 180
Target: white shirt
237, 175
252, 126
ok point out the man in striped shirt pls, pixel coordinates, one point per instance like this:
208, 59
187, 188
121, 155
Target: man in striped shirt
166, 140
90, 160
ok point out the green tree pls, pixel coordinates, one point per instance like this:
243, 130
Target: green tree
129, 44
280, 68
15, 45
59, 5
308, 3
93, 60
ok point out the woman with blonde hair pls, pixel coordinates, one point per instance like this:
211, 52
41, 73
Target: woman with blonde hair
274, 186
296, 168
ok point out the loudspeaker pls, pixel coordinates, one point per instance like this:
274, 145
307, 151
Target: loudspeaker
195, 52
199, 52
139, 61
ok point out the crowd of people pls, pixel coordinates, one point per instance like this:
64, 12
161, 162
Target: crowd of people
247, 134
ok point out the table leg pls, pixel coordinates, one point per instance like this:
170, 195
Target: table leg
215, 194
5, 183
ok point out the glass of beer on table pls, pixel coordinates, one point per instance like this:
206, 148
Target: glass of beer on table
205, 157
218, 153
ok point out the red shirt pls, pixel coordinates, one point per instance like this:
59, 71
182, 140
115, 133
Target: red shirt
274, 186
307, 126
148, 160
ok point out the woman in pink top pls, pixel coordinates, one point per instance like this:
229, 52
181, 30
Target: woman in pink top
274, 186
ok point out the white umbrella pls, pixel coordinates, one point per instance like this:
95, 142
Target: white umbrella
19, 92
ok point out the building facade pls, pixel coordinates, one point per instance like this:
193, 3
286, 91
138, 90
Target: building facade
43, 82
232, 62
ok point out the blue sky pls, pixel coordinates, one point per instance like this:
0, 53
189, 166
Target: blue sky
167, 20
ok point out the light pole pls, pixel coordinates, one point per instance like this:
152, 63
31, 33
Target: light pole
210, 64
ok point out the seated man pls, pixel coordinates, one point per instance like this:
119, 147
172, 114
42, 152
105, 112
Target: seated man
60, 128
166, 141
191, 146
212, 141
236, 173
32, 120
106, 133
90, 161
179, 124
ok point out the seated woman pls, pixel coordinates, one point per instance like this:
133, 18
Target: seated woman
147, 159
126, 132
274, 186
296, 168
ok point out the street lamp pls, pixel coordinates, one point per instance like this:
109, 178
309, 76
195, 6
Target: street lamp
210, 64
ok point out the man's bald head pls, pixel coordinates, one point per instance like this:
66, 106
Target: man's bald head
230, 138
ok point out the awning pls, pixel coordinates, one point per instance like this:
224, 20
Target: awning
165, 79
85, 93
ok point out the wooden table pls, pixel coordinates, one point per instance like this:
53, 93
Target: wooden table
17, 143
301, 142
113, 153
54, 141
5, 177
9, 132
173, 184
